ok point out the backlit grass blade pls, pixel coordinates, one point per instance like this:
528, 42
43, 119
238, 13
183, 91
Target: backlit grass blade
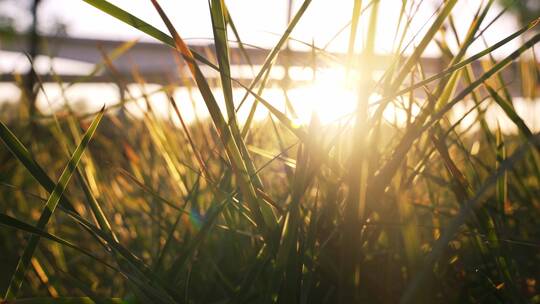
94, 205
50, 206
510, 112
461, 64
276, 49
128, 18
263, 214
243, 51
355, 204
145, 27
98, 67
247, 124
419, 49
152, 31
448, 84
141, 25
87, 181
268, 155
354, 27
502, 182
222, 52
383, 178
196, 151
217, 10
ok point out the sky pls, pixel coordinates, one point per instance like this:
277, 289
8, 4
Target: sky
260, 22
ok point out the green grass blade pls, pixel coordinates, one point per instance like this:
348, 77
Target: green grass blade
243, 51
128, 18
222, 52
94, 205
219, 27
141, 25
510, 112
50, 206
502, 183
247, 124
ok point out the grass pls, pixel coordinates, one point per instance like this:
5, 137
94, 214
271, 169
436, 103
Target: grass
225, 211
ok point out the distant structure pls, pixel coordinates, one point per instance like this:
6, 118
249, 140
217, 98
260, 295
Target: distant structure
156, 62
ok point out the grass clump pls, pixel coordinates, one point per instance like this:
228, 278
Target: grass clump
432, 209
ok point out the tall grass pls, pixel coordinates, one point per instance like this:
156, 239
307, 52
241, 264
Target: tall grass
225, 211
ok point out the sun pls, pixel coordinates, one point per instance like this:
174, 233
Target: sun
327, 97
333, 98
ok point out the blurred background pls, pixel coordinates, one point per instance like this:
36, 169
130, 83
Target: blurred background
68, 38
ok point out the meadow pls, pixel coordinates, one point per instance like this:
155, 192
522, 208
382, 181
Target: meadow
104, 207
